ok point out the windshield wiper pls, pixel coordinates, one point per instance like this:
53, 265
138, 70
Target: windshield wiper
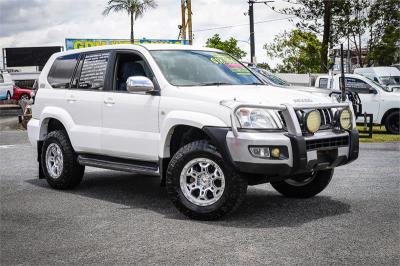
214, 83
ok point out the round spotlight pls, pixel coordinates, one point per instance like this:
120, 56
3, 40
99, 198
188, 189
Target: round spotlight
313, 121
345, 119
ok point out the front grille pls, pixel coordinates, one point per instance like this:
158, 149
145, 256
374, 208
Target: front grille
326, 118
327, 143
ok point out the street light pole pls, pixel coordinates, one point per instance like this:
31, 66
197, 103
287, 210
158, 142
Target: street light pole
251, 16
252, 44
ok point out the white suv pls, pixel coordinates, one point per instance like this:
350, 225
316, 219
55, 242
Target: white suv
198, 118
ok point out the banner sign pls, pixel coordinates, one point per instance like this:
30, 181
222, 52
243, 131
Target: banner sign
71, 44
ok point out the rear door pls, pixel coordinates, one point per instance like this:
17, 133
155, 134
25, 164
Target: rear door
84, 101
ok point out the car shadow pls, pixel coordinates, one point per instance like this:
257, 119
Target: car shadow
261, 209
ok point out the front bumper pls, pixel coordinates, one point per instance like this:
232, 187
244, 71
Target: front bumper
324, 150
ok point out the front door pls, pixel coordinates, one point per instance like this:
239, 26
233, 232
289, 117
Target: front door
130, 120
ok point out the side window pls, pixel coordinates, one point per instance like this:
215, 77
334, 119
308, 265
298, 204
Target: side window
1, 78
91, 71
356, 85
61, 71
323, 83
128, 65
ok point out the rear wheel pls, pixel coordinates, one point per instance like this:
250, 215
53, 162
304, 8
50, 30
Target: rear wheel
392, 122
59, 163
305, 186
25, 97
200, 185
8, 97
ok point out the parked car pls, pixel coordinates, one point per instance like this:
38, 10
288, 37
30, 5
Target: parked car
25, 80
6, 86
386, 76
196, 117
21, 94
376, 99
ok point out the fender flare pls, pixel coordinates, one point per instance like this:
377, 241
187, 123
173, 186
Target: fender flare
52, 112
186, 118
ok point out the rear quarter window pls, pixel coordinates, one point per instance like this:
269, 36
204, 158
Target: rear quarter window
62, 70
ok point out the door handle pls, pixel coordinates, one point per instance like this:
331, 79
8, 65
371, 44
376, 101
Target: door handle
109, 101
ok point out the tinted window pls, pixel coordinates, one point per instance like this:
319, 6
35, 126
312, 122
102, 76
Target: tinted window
356, 85
61, 72
1, 78
323, 83
92, 70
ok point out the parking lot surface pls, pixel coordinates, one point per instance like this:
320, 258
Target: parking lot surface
121, 218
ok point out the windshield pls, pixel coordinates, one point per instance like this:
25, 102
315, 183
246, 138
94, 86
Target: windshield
390, 80
272, 78
380, 85
202, 68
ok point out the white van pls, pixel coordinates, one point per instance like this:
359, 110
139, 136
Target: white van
386, 76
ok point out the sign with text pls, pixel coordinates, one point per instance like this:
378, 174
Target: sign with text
71, 44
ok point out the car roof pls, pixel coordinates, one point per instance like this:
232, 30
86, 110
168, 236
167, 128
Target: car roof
150, 47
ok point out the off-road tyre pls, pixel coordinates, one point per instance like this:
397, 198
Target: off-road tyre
309, 189
72, 172
392, 122
235, 184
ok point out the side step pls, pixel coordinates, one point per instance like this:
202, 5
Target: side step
118, 164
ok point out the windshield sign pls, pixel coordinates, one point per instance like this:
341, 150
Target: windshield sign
202, 68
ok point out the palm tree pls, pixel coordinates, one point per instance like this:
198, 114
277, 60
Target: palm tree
134, 8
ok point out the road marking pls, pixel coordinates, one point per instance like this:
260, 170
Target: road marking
12, 146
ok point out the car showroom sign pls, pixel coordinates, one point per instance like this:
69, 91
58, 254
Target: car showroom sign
71, 44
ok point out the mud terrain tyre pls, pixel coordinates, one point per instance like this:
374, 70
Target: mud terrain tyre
306, 187
59, 161
200, 185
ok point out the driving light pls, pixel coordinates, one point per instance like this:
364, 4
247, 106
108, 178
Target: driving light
313, 121
257, 118
345, 119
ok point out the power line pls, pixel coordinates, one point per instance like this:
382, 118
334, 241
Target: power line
241, 25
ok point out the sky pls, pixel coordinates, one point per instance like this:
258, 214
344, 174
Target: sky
48, 22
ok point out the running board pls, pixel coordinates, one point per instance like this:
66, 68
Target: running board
118, 164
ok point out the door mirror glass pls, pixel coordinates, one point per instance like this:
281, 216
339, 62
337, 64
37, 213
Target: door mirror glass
372, 91
139, 84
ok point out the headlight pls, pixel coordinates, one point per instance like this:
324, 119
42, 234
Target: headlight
313, 121
256, 118
345, 119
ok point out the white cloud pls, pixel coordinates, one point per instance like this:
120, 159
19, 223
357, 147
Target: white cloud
49, 22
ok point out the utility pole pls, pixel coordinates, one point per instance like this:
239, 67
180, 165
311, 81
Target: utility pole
186, 27
251, 16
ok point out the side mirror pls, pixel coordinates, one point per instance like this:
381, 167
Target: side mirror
372, 91
139, 84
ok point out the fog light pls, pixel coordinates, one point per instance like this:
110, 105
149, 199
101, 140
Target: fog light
345, 119
275, 152
260, 152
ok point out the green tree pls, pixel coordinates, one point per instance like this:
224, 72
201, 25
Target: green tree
298, 50
134, 8
230, 46
265, 66
318, 16
384, 23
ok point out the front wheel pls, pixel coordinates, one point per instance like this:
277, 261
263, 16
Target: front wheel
392, 123
200, 185
305, 186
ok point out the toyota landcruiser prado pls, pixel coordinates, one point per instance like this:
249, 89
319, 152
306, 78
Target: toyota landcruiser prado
197, 118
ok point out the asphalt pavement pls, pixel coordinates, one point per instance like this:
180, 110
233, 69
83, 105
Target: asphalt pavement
116, 218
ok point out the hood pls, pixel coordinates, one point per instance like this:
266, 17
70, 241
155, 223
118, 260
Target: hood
251, 94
